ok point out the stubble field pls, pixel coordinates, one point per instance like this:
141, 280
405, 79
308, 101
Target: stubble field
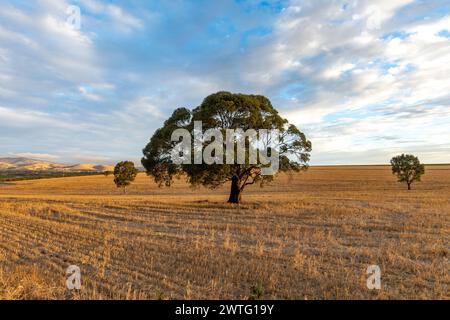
309, 235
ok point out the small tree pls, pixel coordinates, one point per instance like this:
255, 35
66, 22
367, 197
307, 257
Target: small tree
407, 168
124, 174
107, 173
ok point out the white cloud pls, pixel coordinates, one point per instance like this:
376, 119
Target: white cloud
124, 18
121, 19
89, 95
337, 70
37, 156
24, 118
91, 158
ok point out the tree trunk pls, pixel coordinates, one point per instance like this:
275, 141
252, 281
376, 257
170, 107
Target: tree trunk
235, 192
409, 186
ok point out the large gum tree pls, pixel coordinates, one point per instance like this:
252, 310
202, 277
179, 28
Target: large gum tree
225, 110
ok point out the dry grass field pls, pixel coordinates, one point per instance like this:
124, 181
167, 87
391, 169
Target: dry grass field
310, 235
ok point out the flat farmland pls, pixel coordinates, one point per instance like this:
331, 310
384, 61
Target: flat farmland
309, 235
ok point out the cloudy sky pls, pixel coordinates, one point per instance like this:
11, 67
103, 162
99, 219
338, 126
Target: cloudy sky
364, 80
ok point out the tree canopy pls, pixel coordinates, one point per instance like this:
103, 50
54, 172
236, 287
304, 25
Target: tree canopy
124, 174
407, 168
222, 111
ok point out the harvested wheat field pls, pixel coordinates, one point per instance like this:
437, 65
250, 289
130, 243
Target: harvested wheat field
309, 235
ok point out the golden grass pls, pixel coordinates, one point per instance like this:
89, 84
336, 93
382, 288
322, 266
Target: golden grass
306, 236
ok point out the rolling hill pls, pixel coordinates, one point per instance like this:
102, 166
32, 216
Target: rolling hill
25, 164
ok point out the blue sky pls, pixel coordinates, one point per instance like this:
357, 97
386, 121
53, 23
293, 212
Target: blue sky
365, 80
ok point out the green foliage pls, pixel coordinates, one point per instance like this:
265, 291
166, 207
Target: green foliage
407, 168
107, 173
225, 110
157, 160
124, 174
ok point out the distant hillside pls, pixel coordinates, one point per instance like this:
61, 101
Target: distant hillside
25, 164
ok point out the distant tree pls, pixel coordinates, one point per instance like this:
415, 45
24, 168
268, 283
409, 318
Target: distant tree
124, 174
407, 168
225, 110
107, 173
